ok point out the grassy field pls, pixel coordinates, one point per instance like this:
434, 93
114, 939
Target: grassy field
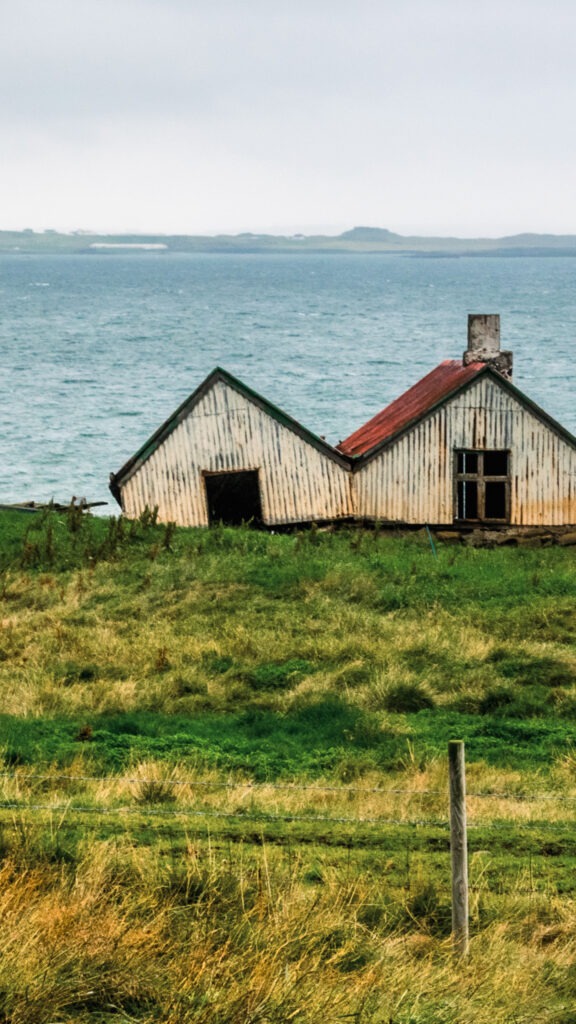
224, 775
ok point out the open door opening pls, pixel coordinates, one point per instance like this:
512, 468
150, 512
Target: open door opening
234, 498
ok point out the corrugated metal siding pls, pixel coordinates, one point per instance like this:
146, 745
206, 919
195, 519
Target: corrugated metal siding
225, 431
412, 481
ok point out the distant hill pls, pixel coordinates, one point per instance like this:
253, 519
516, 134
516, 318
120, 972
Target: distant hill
370, 235
357, 239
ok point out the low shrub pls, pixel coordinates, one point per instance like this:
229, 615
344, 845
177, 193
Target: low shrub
430, 909
279, 675
408, 697
518, 703
495, 700
527, 670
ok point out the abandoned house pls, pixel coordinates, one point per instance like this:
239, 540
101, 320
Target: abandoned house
461, 447
229, 455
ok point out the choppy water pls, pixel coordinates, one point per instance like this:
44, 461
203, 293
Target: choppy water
96, 351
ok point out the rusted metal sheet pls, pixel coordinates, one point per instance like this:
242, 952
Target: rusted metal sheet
411, 480
226, 431
434, 388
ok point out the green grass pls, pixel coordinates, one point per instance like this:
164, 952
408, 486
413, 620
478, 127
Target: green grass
317, 739
224, 792
279, 654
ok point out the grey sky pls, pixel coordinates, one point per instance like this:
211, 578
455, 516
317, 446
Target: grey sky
429, 116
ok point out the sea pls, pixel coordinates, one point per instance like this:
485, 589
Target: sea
96, 351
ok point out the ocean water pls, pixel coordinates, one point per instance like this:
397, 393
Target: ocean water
97, 351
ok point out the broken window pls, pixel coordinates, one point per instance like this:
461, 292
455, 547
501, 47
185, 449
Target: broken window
482, 486
233, 498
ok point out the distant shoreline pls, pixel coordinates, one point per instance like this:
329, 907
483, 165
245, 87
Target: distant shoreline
365, 240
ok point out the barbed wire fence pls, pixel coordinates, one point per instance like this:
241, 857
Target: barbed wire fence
157, 811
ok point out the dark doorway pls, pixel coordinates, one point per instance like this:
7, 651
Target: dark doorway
234, 498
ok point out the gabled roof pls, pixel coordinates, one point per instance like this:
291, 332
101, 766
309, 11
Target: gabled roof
441, 384
420, 399
180, 414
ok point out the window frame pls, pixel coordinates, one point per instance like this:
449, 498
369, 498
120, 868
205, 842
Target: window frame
480, 478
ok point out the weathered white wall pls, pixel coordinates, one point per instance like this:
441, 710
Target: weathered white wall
226, 431
412, 481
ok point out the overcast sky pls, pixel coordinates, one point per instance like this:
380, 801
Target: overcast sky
200, 116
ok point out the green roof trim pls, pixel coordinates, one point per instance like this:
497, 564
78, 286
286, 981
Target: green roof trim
218, 374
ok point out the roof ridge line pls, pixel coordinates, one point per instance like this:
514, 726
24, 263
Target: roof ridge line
182, 411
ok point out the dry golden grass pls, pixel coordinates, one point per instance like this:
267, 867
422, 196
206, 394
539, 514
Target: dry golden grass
124, 936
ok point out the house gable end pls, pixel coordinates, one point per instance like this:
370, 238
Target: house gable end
359, 461
117, 480
413, 477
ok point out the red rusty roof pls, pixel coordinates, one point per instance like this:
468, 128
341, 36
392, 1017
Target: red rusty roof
437, 385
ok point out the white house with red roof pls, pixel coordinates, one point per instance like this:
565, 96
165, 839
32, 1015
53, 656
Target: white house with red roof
463, 447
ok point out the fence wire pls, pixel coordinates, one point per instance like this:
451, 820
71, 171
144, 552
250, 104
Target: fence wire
180, 835
183, 812
281, 787
268, 817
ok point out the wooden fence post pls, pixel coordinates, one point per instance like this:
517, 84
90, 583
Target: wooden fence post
458, 846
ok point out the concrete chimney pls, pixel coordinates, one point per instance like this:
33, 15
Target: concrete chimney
484, 343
